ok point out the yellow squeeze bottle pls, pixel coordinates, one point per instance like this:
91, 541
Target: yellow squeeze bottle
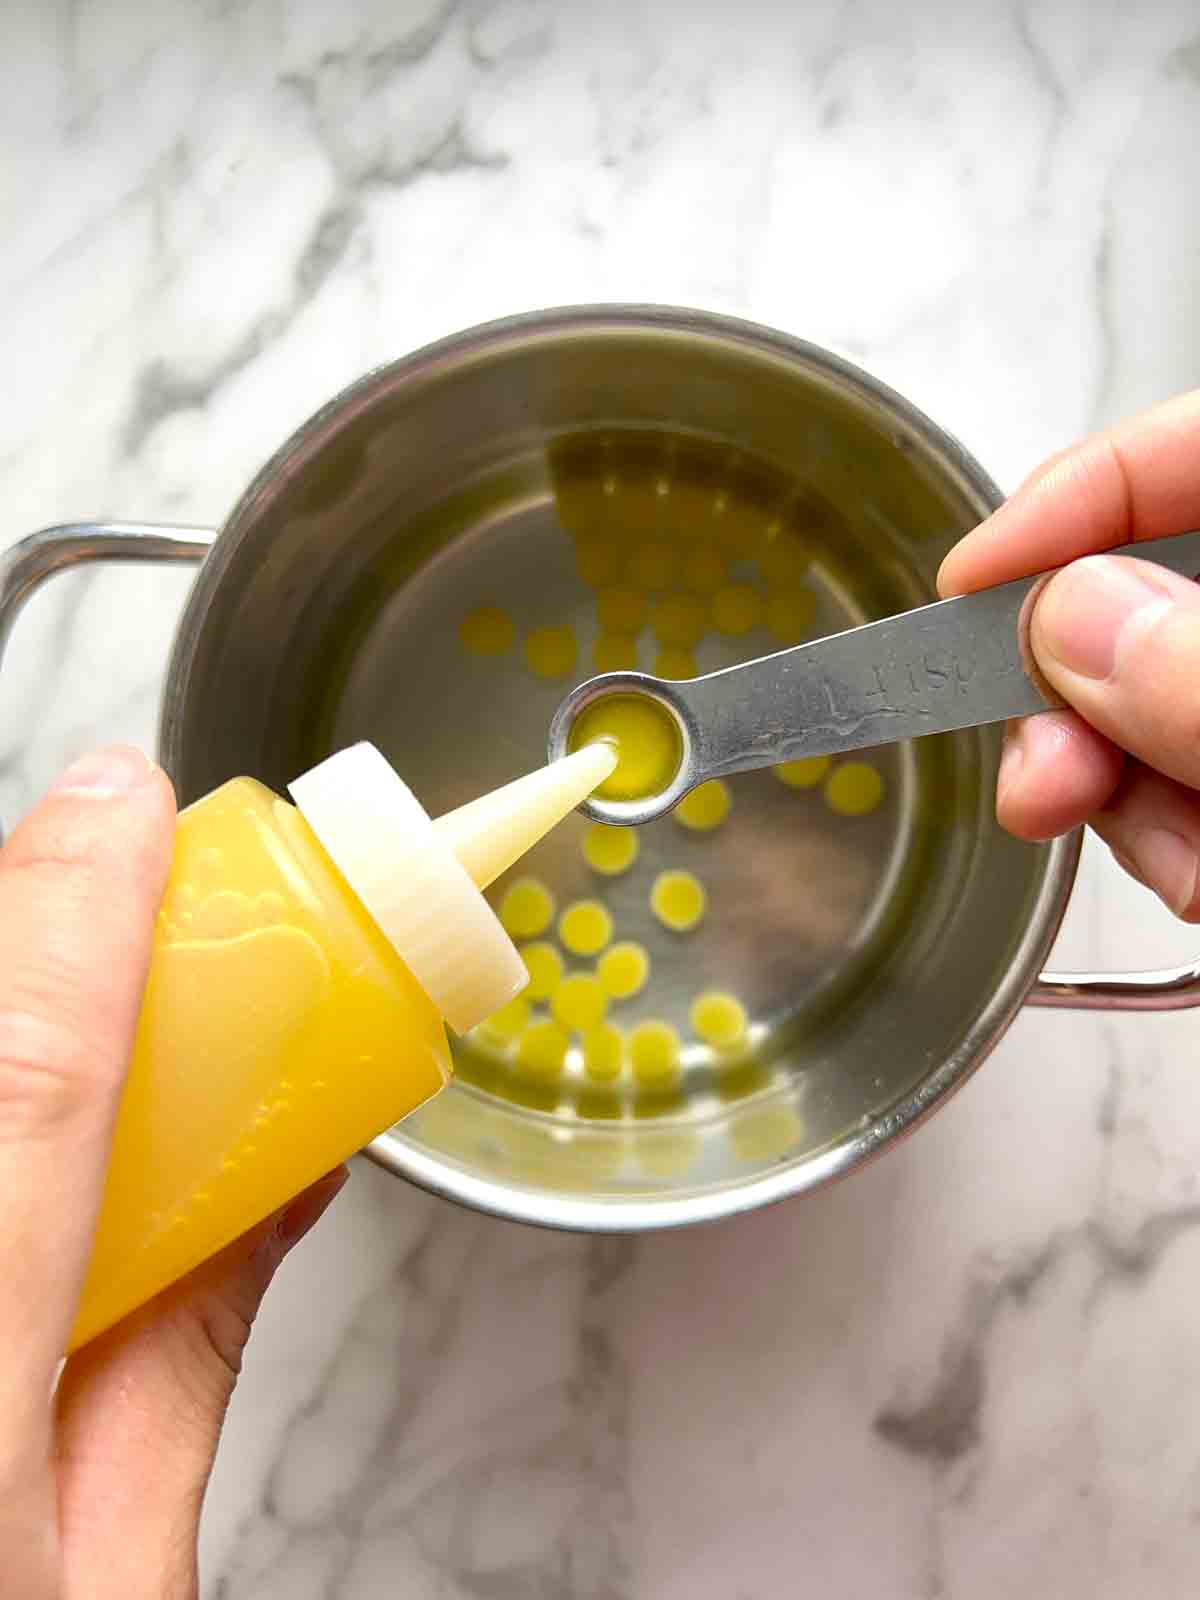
305, 958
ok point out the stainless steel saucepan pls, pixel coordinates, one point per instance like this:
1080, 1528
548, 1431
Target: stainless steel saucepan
879, 961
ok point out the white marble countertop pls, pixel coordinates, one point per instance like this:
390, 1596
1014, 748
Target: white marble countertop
971, 1371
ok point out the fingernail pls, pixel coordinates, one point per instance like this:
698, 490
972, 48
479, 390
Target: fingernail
1090, 607
1127, 864
1012, 756
308, 1209
1168, 864
105, 772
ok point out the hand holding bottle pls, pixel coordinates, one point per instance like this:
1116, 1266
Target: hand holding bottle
101, 1482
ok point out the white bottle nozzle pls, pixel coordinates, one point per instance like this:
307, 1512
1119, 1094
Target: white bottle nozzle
420, 880
489, 834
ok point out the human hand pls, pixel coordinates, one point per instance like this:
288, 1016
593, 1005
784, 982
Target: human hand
101, 1481
1119, 639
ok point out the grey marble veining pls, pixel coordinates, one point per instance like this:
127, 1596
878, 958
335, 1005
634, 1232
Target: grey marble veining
970, 1372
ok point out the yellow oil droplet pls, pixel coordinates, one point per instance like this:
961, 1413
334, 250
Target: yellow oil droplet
545, 968
647, 741
623, 970
803, 774
790, 613
542, 1049
719, 1019
679, 619
599, 1105
504, 1025
737, 525
678, 900
690, 508
585, 927
853, 789
705, 808
766, 1134
640, 499
578, 499
603, 1052
666, 1154
740, 1081
526, 909
782, 557
579, 1003
622, 610
737, 609
487, 632
615, 652
654, 1054
551, 652
610, 851
676, 664
652, 565
704, 569
598, 560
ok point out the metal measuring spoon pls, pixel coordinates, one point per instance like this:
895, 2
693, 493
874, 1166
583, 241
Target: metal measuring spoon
954, 664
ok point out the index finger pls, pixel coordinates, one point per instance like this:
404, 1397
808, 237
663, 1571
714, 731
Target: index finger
80, 883
1138, 480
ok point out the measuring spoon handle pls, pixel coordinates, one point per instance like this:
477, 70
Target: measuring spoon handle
954, 664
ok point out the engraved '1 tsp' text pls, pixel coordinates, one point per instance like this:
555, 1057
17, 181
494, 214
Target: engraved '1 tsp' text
927, 676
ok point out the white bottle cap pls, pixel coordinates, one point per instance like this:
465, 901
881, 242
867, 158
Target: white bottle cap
383, 842
418, 879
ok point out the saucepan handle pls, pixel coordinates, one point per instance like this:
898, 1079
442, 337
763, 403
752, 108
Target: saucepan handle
1166, 989
26, 566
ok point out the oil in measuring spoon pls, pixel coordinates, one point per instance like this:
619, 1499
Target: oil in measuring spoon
645, 737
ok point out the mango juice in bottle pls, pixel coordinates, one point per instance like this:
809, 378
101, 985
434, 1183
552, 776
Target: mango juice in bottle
304, 960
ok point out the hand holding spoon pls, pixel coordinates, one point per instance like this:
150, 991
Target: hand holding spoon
954, 664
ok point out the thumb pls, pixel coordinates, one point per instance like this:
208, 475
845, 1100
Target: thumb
1120, 641
140, 1411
